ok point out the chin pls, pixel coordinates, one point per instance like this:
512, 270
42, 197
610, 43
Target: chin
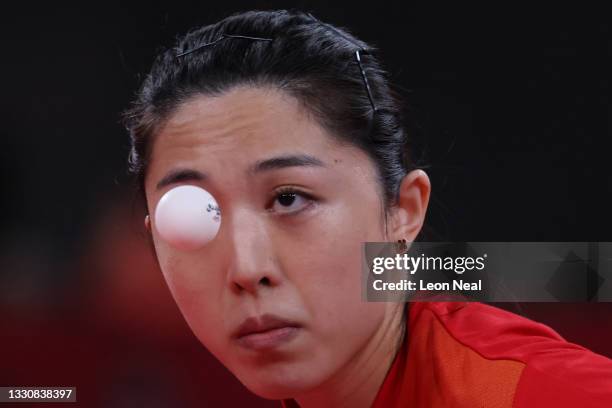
272, 393
278, 384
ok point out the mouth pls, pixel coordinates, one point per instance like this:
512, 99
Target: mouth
265, 332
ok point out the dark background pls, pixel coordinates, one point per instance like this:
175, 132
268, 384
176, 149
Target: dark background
514, 119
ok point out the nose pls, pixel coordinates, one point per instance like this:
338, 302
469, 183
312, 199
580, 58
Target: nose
252, 265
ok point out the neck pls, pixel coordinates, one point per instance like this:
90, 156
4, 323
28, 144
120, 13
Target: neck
357, 383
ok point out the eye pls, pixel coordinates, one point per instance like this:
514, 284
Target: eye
289, 200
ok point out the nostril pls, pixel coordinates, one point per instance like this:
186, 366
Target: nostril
265, 281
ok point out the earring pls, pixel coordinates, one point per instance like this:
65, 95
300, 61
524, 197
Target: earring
402, 245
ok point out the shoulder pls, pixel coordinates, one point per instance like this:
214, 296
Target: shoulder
538, 367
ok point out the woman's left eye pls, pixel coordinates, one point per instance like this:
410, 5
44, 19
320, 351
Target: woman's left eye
290, 201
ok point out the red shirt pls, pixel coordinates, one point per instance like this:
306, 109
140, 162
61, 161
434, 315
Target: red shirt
469, 354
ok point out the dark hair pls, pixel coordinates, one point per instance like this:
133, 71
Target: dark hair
312, 61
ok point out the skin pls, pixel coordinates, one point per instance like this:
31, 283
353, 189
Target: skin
301, 262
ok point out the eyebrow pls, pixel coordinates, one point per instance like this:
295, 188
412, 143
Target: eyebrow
178, 175
274, 163
281, 162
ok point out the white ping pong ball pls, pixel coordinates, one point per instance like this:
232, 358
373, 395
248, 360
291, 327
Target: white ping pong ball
187, 217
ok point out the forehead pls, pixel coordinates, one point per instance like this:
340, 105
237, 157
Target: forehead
224, 135
244, 119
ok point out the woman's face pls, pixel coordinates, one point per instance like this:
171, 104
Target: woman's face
285, 268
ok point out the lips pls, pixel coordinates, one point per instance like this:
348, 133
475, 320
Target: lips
265, 332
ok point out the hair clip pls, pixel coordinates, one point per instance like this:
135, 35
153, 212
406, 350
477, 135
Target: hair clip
358, 52
223, 37
365, 78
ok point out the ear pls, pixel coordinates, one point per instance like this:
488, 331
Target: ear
147, 223
408, 215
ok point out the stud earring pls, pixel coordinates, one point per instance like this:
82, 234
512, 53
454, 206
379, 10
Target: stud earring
402, 245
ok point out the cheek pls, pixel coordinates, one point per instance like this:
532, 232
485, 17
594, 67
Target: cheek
334, 283
340, 323
330, 276
195, 289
